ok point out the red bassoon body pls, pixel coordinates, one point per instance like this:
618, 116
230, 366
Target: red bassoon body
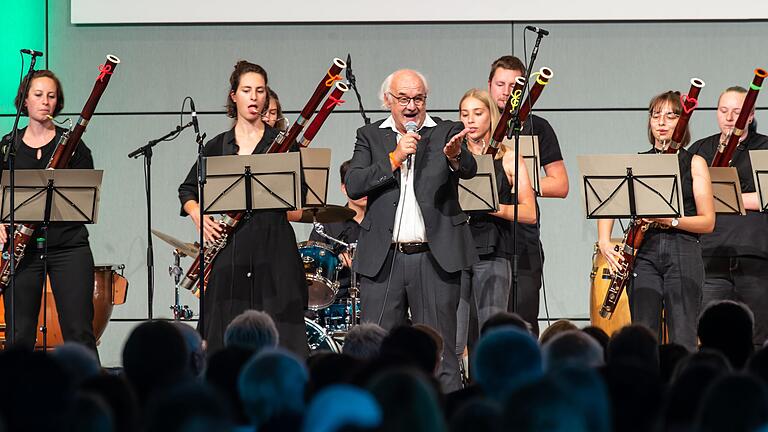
633, 237
65, 148
725, 149
282, 144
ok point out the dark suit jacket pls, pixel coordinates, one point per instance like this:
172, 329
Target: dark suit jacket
435, 184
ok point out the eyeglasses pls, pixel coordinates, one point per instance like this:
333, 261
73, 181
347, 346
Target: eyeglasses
671, 116
405, 100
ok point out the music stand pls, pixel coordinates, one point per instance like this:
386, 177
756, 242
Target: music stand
529, 149
253, 182
630, 186
45, 196
479, 193
315, 165
759, 160
726, 190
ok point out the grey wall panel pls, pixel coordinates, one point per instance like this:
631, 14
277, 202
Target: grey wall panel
621, 64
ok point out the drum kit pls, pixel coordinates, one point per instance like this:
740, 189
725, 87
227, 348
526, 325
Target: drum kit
329, 317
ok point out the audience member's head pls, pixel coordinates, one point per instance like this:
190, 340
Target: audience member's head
727, 326
587, 391
734, 402
692, 376
90, 413
407, 400
412, 345
252, 329
572, 348
328, 368
272, 384
224, 368
634, 344
115, 391
363, 341
506, 359
501, 319
556, 328
431, 332
669, 356
193, 406
154, 357
80, 362
340, 407
195, 347
478, 415
31, 382
600, 336
542, 406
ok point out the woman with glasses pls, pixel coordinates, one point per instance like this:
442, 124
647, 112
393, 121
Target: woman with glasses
668, 271
486, 284
273, 116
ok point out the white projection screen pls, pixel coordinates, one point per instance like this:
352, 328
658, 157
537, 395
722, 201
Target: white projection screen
316, 11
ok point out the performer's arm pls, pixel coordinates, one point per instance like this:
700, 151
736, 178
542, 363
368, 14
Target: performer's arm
366, 174
704, 221
555, 183
526, 199
604, 231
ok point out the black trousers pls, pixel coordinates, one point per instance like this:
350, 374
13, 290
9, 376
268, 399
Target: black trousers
743, 279
71, 274
668, 274
432, 295
529, 277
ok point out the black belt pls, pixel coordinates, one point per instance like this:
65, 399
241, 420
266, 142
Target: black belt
411, 248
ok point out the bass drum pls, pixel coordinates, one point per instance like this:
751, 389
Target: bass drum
318, 340
109, 289
600, 280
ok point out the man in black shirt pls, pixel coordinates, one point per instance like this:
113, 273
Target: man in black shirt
501, 79
347, 231
736, 253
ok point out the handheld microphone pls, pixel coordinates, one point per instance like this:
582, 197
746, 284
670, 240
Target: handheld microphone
538, 30
31, 52
411, 126
194, 116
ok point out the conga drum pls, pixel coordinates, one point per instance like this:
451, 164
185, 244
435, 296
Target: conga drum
109, 288
600, 279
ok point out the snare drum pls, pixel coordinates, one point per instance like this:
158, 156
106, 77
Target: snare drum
321, 270
318, 340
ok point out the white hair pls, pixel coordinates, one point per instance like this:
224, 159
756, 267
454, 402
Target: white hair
252, 329
386, 85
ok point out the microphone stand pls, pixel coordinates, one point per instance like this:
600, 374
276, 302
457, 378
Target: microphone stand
353, 83
514, 132
146, 151
10, 160
200, 189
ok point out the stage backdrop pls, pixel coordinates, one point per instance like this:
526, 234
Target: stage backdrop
604, 75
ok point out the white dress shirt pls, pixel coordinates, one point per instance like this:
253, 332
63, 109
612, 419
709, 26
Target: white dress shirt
409, 223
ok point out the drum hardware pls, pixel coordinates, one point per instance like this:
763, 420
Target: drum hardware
318, 339
321, 270
185, 249
179, 312
354, 316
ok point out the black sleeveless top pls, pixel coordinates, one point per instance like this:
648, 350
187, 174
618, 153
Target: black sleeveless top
492, 234
684, 158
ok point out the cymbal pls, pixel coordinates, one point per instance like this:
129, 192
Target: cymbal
186, 249
329, 213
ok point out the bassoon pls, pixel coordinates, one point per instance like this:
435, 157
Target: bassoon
281, 144
65, 148
633, 237
728, 146
502, 127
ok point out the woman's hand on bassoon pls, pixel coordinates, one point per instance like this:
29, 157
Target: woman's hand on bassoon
612, 257
211, 230
3, 235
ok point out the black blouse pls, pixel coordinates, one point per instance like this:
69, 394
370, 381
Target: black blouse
493, 234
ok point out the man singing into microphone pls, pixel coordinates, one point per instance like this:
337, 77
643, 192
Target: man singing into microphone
414, 240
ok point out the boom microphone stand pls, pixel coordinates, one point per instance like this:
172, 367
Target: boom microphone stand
514, 132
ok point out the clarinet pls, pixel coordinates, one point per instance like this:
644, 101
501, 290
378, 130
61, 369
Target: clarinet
633, 237
281, 144
65, 148
502, 127
728, 146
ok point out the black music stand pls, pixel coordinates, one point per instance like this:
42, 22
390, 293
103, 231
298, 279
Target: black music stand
479, 193
630, 186
529, 150
726, 190
315, 166
45, 196
759, 160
